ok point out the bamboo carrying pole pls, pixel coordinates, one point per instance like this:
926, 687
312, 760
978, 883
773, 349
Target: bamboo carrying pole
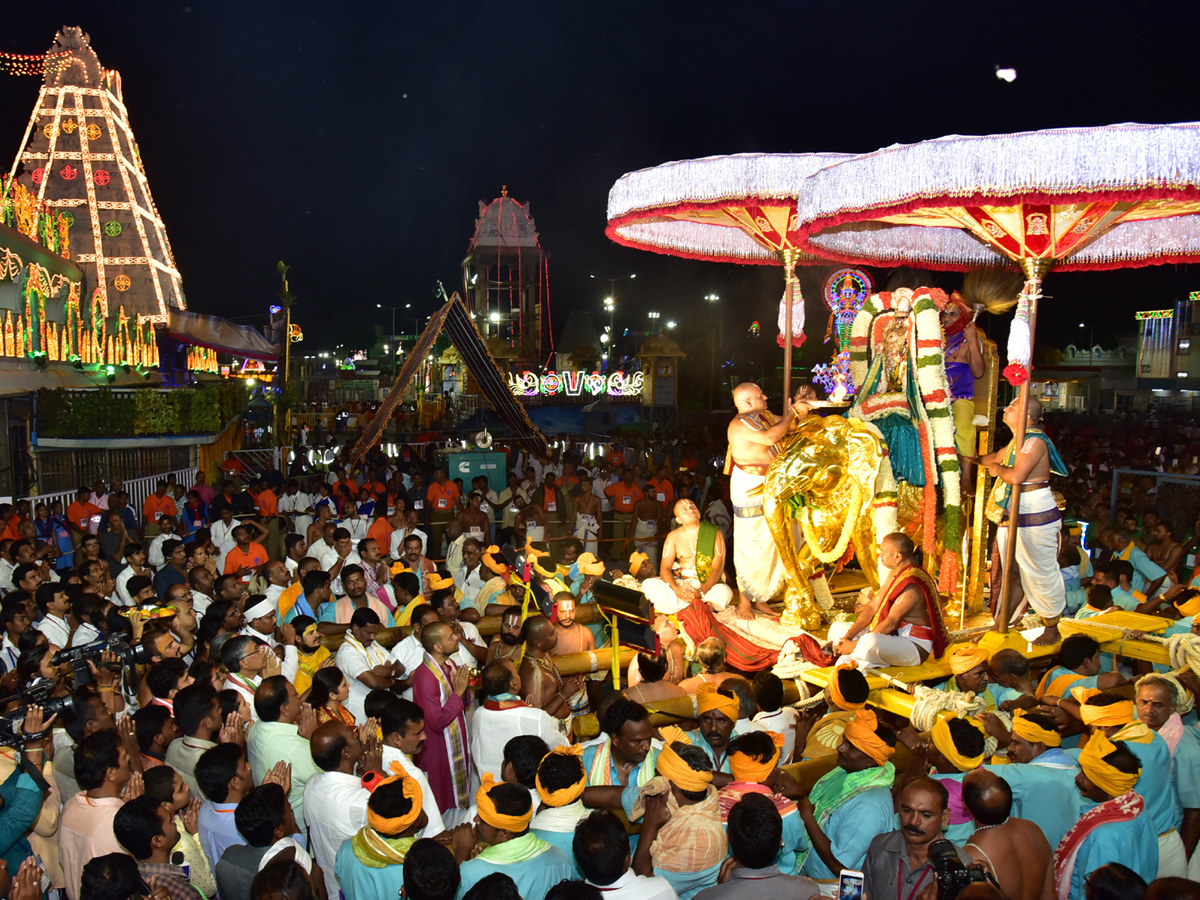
789, 275
1034, 270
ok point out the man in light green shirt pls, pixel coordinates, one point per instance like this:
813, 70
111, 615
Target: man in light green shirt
281, 735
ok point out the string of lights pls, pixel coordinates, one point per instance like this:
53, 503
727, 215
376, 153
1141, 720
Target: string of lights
34, 65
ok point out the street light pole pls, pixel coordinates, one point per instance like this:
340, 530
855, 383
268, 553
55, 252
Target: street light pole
610, 304
393, 337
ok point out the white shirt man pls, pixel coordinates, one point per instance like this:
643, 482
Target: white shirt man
409, 653
291, 657
428, 801
330, 556
294, 506
154, 553
246, 685
56, 630
492, 728
122, 589
85, 634
335, 806
353, 662
220, 532
470, 583
397, 546
357, 527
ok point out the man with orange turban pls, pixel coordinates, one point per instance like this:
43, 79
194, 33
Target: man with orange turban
719, 710
753, 762
848, 806
845, 694
682, 837
1117, 829
503, 813
560, 781
371, 864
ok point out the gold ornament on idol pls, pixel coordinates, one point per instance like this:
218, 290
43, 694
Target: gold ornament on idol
832, 464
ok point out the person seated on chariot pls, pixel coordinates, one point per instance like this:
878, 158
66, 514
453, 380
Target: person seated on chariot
909, 625
693, 565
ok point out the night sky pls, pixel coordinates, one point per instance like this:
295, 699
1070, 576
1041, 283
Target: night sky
354, 140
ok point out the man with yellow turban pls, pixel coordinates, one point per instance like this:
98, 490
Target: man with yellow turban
1116, 829
753, 762
954, 746
371, 864
969, 665
560, 783
682, 837
503, 813
848, 806
719, 710
1112, 716
845, 694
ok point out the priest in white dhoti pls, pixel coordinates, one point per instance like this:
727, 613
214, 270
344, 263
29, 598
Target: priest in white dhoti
1039, 520
753, 436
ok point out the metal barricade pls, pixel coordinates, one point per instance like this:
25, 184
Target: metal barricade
1176, 497
138, 489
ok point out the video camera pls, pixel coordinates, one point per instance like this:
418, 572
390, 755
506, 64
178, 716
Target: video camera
78, 657
37, 694
952, 875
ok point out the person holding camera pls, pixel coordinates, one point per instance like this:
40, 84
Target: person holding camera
898, 863
21, 798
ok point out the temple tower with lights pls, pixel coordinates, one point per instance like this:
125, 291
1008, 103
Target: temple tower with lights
506, 279
80, 157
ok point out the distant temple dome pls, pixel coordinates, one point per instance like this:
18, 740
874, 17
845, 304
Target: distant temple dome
502, 223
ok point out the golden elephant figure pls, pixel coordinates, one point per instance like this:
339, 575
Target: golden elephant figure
825, 477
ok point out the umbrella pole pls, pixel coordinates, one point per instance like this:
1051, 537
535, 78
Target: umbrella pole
1034, 270
789, 280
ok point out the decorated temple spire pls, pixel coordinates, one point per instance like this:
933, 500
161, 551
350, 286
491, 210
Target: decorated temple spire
80, 157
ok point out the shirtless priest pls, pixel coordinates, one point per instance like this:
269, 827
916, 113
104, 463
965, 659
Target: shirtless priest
693, 561
910, 617
1039, 520
753, 435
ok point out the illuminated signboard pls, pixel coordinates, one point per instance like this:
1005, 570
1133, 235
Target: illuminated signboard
1154, 314
575, 384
